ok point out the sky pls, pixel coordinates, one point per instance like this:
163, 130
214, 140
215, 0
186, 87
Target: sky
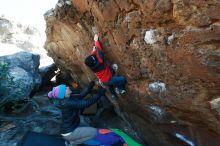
26, 11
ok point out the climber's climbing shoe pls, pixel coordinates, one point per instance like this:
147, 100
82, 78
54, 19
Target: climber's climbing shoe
119, 91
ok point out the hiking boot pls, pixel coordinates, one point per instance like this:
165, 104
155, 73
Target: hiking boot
122, 91
115, 67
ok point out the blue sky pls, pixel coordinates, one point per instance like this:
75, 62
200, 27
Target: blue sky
26, 11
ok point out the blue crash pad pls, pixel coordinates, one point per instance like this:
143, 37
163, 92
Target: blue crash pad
40, 139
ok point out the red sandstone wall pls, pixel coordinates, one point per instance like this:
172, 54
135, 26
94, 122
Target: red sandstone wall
182, 51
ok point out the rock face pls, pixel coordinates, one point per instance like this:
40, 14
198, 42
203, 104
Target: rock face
23, 75
174, 43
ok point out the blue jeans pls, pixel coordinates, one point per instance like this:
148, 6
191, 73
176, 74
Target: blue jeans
116, 82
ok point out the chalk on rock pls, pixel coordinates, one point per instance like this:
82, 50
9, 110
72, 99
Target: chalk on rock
215, 103
157, 110
170, 39
157, 87
149, 37
156, 113
94, 30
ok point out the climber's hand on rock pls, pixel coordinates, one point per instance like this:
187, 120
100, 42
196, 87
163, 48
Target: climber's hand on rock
96, 37
94, 48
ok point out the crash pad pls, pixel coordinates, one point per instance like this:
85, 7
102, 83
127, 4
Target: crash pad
130, 141
40, 139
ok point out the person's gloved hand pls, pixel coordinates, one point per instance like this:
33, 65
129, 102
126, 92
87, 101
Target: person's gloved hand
101, 91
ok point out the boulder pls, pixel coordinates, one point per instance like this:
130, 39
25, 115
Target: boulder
172, 46
20, 75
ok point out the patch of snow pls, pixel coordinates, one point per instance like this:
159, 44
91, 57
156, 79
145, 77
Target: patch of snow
183, 138
5, 25
18, 37
46, 61
149, 37
49, 13
8, 49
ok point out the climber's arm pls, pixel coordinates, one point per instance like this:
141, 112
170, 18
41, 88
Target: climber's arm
84, 103
98, 50
98, 45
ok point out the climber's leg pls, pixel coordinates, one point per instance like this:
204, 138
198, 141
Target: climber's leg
119, 82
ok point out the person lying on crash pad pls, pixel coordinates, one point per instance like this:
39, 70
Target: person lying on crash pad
74, 134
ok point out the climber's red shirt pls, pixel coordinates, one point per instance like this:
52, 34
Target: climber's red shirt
102, 70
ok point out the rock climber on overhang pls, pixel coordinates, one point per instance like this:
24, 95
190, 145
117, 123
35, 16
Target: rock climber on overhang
96, 62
